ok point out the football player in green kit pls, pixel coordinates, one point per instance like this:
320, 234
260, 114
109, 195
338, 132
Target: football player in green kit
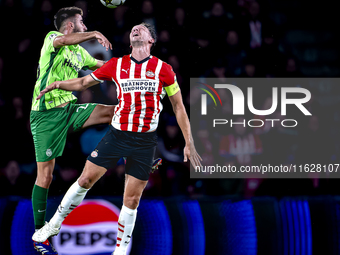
56, 113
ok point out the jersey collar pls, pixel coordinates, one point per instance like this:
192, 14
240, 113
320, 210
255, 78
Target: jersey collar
142, 61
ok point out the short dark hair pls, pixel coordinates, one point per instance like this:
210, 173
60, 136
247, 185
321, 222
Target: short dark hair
152, 31
65, 13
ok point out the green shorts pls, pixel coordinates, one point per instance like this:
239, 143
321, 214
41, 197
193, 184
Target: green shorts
49, 128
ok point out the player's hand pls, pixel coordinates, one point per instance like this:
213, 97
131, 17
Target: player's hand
191, 154
52, 86
103, 41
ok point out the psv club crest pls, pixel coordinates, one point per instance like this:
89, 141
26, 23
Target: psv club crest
150, 74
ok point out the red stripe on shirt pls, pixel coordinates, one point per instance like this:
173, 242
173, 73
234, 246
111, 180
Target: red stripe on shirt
124, 119
138, 111
137, 95
150, 108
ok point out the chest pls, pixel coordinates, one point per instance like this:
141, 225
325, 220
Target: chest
70, 57
134, 77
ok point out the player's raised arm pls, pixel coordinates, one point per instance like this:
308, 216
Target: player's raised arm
77, 84
76, 38
183, 122
69, 22
99, 64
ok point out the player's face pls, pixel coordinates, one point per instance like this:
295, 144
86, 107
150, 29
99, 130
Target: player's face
140, 34
79, 25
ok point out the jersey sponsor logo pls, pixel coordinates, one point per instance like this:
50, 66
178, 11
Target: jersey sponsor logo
68, 62
91, 228
48, 152
139, 85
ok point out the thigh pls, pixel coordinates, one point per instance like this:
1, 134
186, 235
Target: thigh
79, 114
49, 131
108, 151
90, 175
139, 164
101, 114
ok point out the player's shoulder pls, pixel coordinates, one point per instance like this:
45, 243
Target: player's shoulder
52, 34
166, 68
113, 60
154, 58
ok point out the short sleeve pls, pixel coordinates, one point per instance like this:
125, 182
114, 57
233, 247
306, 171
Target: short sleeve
106, 72
169, 80
89, 60
48, 43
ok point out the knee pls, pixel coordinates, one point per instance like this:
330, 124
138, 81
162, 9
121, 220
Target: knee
110, 112
85, 182
44, 179
45, 173
131, 202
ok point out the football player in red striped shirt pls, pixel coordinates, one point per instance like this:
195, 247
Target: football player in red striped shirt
142, 80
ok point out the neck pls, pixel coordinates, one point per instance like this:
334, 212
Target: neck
140, 53
66, 31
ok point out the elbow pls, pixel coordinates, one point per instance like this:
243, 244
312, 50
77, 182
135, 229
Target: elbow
82, 86
60, 41
177, 108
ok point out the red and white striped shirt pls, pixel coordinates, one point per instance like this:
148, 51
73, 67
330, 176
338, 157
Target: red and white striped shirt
140, 88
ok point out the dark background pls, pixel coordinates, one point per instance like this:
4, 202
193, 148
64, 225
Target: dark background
236, 38
199, 39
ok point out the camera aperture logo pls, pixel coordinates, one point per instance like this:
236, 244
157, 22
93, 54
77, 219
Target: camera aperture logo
238, 105
204, 97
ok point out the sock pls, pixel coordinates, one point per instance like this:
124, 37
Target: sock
73, 197
126, 223
39, 202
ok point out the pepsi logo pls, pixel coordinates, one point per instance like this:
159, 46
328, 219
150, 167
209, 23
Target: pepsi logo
91, 228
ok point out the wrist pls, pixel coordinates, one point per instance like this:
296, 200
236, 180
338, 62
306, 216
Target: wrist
95, 34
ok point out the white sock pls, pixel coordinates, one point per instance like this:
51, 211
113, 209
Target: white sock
126, 223
73, 197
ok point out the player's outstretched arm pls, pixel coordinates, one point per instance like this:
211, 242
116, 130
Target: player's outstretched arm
79, 37
77, 84
184, 124
99, 64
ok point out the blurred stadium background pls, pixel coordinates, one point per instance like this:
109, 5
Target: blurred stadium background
179, 215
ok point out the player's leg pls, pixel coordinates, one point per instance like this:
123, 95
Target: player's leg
49, 135
138, 168
76, 193
105, 156
39, 203
101, 114
49, 130
73, 197
40, 191
127, 217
